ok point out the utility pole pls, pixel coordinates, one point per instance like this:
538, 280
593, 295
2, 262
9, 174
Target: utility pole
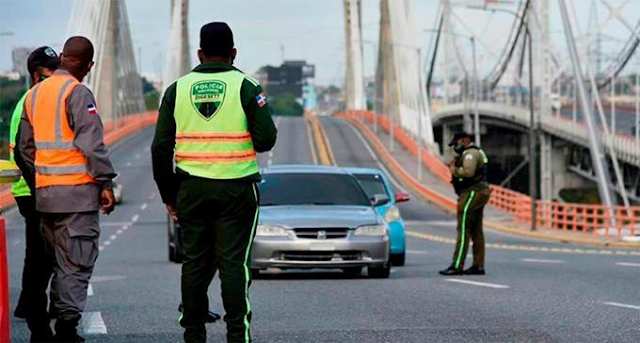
476, 105
533, 182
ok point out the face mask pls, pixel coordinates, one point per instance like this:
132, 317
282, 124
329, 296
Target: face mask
459, 149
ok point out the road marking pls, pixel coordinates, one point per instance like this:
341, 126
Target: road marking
113, 237
100, 248
135, 218
633, 307
115, 223
144, 206
578, 251
138, 156
377, 160
312, 146
627, 264
416, 252
129, 164
107, 243
90, 291
535, 260
93, 324
125, 228
97, 279
119, 232
481, 284
430, 223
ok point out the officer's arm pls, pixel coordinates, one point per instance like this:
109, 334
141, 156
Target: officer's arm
87, 127
261, 127
469, 165
162, 148
25, 150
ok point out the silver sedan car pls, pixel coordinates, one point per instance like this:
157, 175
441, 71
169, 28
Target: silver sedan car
318, 217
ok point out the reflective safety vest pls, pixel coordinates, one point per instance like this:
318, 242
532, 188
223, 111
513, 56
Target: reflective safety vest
20, 188
58, 162
212, 139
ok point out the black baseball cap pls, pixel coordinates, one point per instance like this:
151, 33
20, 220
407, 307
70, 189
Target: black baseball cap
43, 56
457, 136
216, 39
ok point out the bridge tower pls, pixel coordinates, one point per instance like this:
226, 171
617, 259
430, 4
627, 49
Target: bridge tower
178, 58
355, 61
399, 74
115, 80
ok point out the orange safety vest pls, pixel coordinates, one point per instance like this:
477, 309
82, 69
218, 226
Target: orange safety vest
58, 162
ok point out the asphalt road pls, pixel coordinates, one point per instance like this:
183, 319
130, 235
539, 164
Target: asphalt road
527, 296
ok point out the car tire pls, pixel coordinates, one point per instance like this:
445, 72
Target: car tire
255, 274
398, 259
352, 271
379, 272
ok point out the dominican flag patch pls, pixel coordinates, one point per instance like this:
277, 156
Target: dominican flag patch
92, 109
261, 99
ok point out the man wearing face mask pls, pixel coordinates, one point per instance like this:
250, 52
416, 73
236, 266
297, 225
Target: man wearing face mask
32, 304
469, 179
212, 122
66, 164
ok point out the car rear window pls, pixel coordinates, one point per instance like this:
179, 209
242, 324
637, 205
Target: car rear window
372, 184
311, 189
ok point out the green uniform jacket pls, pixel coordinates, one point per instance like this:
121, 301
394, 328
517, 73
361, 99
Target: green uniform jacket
20, 188
260, 124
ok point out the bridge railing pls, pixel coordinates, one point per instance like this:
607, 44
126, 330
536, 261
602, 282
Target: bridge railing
587, 219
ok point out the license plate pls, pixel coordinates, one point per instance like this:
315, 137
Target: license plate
322, 246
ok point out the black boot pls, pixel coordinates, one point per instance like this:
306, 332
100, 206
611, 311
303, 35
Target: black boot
41, 333
451, 271
66, 331
212, 317
474, 271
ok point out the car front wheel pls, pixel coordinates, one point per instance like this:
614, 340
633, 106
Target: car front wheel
379, 272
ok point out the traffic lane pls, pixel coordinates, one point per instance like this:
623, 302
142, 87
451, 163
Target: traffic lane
350, 149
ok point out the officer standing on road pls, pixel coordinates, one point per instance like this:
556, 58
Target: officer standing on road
469, 178
214, 119
63, 157
32, 304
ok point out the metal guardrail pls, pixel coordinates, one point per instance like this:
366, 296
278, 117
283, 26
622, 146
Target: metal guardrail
586, 219
627, 148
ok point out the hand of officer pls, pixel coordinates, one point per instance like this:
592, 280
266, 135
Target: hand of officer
172, 211
107, 201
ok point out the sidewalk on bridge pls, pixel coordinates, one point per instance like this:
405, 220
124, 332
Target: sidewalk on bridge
495, 219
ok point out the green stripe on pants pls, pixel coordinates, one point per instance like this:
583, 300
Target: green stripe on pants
461, 249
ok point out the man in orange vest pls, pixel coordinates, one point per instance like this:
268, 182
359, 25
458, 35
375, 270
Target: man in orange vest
64, 159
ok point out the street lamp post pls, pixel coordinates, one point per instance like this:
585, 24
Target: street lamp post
476, 112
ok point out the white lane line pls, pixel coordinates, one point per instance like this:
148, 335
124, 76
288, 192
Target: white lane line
90, 290
633, 307
312, 147
107, 243
125, 228
535, 260
430, 222
627, 264
135, 218
138, 156
375, 158
481, 284
100, 248
93, 324
129, 164
119, 232
144, 206
113, 237
115, 223
416, 252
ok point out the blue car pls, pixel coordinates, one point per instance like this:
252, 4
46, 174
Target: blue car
379, 190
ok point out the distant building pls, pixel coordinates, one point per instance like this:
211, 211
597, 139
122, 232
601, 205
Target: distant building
309, 97
290, 77
20, 56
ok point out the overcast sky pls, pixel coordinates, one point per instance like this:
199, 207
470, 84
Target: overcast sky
307, 29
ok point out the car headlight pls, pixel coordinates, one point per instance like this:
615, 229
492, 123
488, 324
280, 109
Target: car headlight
392, 214
272, 231
371, 230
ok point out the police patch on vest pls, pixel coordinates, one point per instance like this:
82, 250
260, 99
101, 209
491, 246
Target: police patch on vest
207, 97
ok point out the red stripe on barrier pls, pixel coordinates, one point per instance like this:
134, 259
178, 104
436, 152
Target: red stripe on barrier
5, 334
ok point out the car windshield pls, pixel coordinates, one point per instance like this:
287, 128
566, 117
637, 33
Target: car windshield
311, 189
373, 185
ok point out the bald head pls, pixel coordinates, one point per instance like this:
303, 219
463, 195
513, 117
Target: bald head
77, 56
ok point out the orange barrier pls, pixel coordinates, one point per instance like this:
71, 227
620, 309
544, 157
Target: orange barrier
587, 219
114, 132
5, 327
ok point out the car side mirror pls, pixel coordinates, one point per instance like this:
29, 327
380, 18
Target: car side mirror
379, 199
402, 197
9, 172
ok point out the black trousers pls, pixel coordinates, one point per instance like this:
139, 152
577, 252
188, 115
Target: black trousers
218, 220
37, 267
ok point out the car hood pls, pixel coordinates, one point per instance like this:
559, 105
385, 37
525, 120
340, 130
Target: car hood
301, 216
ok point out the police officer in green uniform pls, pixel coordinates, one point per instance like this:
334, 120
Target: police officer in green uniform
212, 122
469, 178
32, 304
